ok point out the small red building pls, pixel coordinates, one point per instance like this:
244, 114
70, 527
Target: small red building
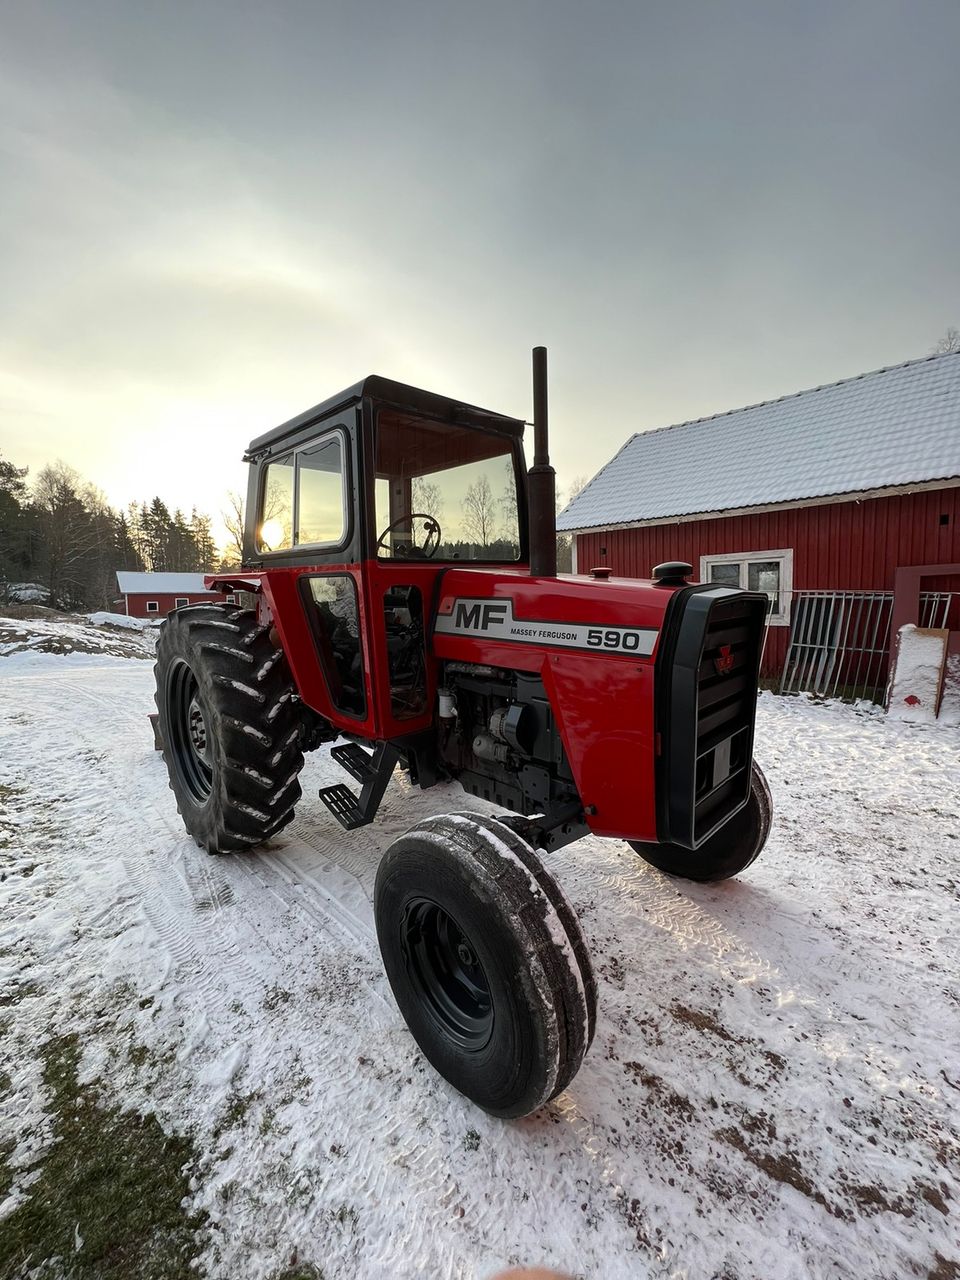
817, 498
153, 595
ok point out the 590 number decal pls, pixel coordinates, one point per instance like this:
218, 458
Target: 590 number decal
628, 641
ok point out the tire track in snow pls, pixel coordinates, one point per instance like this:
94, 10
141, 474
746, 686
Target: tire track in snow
417, 1169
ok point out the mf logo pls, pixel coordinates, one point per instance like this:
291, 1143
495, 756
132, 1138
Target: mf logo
479, 614
724, 661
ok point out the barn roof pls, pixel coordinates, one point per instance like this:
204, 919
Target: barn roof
896, 426
134, 584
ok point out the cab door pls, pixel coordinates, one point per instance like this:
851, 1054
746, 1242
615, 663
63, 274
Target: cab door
309, 540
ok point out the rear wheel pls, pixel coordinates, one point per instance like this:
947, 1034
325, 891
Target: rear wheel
493, 980
228, 725
733, 848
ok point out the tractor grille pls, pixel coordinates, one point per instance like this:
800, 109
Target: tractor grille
726, 708
707, 671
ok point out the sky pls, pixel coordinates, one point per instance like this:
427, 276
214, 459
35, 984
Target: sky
214, 216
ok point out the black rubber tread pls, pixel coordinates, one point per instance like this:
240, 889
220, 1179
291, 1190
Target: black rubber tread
571, 926
734, 847
539, 997
252, 721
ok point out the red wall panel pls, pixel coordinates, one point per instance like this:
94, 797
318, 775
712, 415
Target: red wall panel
137, 604
842, 546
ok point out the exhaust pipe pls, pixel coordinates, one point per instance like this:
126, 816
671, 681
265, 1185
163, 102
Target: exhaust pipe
542, 480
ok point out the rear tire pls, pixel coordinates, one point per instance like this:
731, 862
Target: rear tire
229, 726
733, 848
486, 961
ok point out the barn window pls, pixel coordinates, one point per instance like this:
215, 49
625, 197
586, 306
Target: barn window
153, 606
180, 601
231, 599
769, 571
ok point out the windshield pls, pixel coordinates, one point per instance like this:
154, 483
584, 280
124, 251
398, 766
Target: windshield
444, 492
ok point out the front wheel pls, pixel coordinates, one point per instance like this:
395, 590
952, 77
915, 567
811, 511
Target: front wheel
730, 851
486, 961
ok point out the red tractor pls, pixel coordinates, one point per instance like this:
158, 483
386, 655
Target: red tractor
407, 606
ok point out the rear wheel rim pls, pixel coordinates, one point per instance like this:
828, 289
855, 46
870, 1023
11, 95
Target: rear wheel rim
446, 973
188, 734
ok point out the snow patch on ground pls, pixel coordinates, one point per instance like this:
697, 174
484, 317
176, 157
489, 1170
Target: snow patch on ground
24, 592
772, 1090
122, 620
31, 642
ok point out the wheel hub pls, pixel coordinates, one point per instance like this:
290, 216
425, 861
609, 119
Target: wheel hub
198, 730
445, 970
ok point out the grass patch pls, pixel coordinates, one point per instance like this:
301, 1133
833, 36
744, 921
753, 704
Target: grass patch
111, 1180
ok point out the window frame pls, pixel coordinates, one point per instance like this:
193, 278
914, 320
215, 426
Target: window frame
744, 558
180, 601
336, 433
152, 606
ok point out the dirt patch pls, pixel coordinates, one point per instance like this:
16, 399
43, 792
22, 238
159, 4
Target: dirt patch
674, 1103
106, 1203
784, 1167
702, 1021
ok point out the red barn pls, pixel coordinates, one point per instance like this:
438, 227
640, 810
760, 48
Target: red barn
153, 595
816, 498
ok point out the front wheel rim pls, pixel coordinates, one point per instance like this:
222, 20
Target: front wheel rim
445, 971
188, 733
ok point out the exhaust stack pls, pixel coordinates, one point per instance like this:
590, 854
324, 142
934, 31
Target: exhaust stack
542, 480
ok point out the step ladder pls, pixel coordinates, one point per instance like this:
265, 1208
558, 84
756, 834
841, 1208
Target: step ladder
372, 769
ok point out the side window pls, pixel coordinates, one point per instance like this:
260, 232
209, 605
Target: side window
320, 506
302, 498
275, 531
334, 615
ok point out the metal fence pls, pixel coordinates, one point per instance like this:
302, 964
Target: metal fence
839, 641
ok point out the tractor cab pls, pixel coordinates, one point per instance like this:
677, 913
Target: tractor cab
358, 506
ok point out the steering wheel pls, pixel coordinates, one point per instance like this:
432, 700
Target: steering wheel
431, 544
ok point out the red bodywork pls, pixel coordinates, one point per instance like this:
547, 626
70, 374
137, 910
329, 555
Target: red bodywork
603, 701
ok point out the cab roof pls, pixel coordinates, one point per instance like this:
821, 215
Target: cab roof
396, 395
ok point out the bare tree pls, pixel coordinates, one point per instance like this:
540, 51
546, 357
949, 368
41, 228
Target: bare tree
427, 497
948, 343
479, 512
233, 523
508, 509
577, 485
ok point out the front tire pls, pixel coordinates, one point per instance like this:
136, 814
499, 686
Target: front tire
229, 726
493, 980
735, 846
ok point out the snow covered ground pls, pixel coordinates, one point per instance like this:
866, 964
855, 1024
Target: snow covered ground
774, 1088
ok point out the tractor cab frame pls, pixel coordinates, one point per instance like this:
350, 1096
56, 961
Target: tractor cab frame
333, 524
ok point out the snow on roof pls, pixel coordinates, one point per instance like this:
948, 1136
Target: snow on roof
894, 426
159, 583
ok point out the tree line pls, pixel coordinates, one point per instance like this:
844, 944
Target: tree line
60, 533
